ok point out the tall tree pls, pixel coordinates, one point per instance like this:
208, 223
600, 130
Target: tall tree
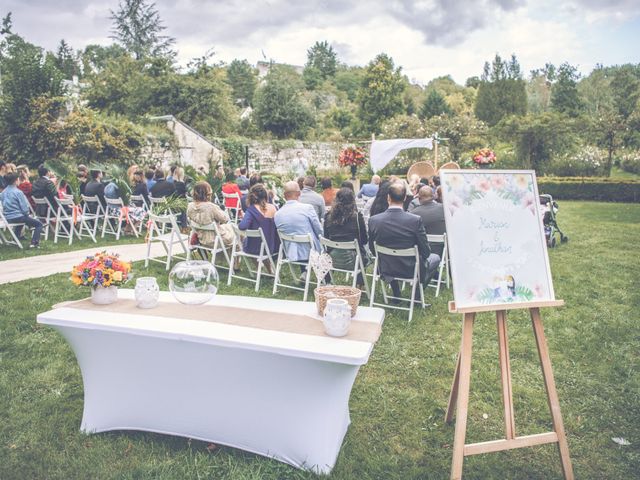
322, 57
138, 28
380, 94
66, 60
501, 91
625, 87
434, 104
564, 95
27, 73
279, 108
243, 81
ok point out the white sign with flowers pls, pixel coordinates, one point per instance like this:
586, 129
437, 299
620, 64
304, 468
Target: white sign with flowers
496, 238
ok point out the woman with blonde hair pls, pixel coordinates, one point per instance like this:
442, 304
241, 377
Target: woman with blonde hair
203, 211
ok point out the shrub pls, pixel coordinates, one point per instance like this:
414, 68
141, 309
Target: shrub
630, 162
588, 161
590, 188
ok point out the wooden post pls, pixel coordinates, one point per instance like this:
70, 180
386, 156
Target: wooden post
435, 151
459, 397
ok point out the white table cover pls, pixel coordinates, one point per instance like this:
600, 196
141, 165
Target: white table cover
282, 395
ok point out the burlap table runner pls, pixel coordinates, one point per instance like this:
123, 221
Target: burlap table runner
243, 317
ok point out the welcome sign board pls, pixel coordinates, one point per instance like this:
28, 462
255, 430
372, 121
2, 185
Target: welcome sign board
496, 237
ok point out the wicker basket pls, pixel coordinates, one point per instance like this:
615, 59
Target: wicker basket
450, 166
350, 294
422, 169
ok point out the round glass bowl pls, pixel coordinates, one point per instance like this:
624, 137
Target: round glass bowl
193, 282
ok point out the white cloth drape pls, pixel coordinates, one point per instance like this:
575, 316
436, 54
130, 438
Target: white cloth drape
383, 151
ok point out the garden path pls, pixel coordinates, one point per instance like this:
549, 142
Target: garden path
19, 269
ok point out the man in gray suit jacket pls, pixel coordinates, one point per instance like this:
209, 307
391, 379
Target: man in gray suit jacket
310, 197
395, 228
432, 215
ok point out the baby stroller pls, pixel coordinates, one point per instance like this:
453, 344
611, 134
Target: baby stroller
551, 228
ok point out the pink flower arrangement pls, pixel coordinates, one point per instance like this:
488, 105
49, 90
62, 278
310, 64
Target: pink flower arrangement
352, 156
484, 156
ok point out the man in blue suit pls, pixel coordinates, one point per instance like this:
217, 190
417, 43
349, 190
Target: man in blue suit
295, 218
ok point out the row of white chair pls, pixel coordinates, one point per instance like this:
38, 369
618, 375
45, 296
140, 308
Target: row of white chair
175, 239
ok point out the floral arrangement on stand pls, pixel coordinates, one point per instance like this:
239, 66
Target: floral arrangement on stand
484, 157
101, 270
353, 157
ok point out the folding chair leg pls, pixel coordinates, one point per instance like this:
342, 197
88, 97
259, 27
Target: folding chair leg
258, 273
276, 278
306, 283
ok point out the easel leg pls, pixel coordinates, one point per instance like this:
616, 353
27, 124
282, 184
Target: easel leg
552, 394
463, 396
453, 396
505, 374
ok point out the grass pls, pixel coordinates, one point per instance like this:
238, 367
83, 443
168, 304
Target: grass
399, 398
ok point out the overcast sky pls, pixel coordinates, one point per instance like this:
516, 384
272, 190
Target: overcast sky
428, 38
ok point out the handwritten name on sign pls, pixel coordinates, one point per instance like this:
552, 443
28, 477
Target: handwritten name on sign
496, 237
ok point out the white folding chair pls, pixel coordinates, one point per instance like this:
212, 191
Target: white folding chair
234, 212
414, 281
264, 255
46, 219
7, 231
153, 206
358, 265
139, 201
443, 268
115, 214
157, 224
284, 260
92, 213
65, 225
217, 247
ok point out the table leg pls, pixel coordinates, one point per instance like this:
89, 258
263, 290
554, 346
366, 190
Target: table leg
552, 394
463, 396
505, 374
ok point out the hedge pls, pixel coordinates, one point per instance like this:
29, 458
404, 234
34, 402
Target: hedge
590, 188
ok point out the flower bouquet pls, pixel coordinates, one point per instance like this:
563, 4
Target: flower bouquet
352, 157
103, 273
484, 157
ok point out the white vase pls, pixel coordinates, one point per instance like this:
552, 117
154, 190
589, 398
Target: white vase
147, 292
104, 295
337, 317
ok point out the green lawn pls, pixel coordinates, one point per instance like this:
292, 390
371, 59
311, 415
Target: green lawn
399, 398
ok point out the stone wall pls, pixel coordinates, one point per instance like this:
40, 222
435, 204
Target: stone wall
194, 149
273, 158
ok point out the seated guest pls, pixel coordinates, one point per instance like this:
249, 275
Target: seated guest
370, 189
344, 224
172, 170
255, 179
148, 175
328, 192
83, 178
64, 190
259, 214
435, 183
24, 184
309, 196
3, 172
432, 215
380, 202
395, 228
348, 184
162, 188
16, 209
140, 187
243, 181
95, 188
439, 194
204, 212
300, 181
43, 187
230, 187
179, 182
296, 218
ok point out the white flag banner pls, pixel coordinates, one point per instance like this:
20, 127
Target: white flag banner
383, 151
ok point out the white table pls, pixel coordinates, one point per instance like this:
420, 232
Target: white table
282, 395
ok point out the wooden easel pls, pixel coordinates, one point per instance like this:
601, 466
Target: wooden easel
460, 390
